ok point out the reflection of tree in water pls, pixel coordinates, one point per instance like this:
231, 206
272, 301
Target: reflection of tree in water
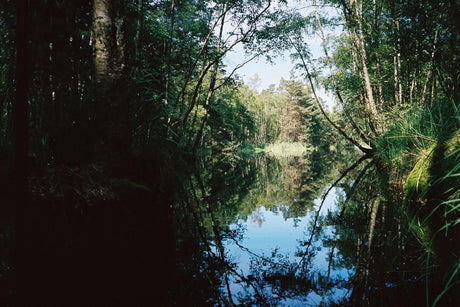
289, 185
209, 203
373, 237
369, 235
257, 217
229, 188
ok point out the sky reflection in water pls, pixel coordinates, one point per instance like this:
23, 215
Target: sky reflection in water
266, 230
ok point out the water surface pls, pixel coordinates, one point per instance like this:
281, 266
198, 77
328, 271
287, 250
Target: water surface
250, 232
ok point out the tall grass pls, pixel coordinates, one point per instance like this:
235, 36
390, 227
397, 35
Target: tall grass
449, 210
412, 132
422, 149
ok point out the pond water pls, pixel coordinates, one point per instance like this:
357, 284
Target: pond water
268, 231
260, 231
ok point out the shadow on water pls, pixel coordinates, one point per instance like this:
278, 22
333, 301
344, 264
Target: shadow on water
267, 231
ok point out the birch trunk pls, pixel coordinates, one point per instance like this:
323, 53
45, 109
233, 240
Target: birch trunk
397, 59
109, 69
430, 71
374, 209
137, 45
337, 91
370, 103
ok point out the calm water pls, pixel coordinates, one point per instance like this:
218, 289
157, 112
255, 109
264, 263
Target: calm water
250, 232
266, 231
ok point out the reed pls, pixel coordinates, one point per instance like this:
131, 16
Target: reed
422, 150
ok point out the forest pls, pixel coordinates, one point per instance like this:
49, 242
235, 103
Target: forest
128, 147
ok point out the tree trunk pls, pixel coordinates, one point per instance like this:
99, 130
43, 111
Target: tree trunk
376, 30
356, 67
168, 53
112, 107
430, 70
21, 138
370, 106
137, 44
374, 209
397, 59
212, 85
337, 91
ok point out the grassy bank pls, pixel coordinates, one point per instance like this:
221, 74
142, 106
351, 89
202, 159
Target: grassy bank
276, 149
422, 157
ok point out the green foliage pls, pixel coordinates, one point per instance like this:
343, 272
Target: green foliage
180, 97
230, 122
287, 114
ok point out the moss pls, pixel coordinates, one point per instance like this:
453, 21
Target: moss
418, 179
453, 144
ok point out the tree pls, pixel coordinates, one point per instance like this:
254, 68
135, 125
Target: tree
112, 108
294, 118
21, 135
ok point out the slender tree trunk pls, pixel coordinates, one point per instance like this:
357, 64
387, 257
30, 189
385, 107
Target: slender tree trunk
433, 90
356, 68
374, 209
168, 52
207, 103
218, 238
137, 37
376, 30
413, 86
430, 70
397, 56
379, 85
396, 80
192, 125
312, 85
21, 138
370, 106
212, 84
337, 91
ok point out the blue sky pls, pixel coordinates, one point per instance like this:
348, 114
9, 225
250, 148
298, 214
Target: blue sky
271, 73
267, 72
